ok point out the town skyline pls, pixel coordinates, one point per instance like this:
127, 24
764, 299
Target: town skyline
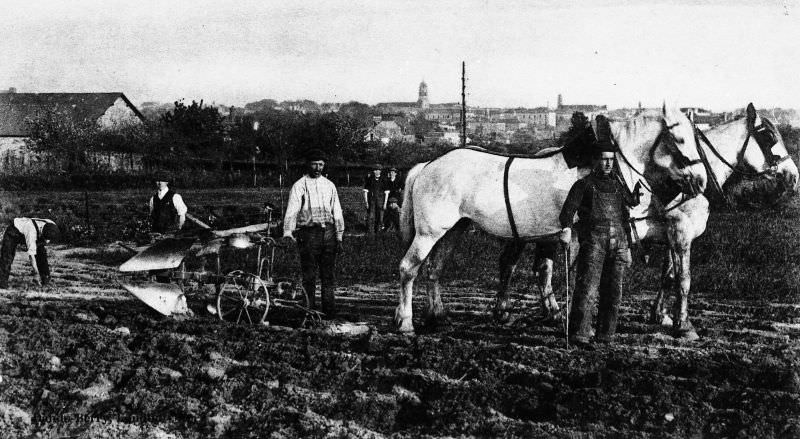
709, 53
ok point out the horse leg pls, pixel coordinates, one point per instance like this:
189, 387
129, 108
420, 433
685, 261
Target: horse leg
680, 312
508, 263
434, 265
659, 314
409, 268
545, 255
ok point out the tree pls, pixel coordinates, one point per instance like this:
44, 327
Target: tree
193, 130
261, 106
59, 135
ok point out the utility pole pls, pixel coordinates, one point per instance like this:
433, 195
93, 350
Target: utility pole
463, 105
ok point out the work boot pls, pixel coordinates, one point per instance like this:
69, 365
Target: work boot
580, 341
328, 303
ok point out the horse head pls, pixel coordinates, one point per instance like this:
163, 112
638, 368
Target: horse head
661, 147
771, 155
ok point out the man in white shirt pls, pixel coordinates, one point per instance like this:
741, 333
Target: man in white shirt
167, 209
35, 233
314, 219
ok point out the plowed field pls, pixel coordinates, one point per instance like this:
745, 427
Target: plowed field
84, 359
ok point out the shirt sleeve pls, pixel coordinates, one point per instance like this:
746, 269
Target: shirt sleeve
572, 203
180, 206
29, 231
292, 209
338, 218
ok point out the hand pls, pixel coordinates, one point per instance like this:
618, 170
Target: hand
637, 189
565, 235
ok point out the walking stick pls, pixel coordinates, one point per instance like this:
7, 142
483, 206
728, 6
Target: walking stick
568, 297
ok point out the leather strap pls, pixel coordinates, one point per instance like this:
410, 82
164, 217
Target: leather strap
510, 213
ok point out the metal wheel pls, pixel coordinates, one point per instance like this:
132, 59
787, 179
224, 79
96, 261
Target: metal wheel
243, 298
290, 295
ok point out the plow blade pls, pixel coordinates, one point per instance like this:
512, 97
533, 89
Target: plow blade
167, 299
163, 255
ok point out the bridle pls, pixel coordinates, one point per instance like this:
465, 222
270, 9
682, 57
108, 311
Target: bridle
765, 138
681, 159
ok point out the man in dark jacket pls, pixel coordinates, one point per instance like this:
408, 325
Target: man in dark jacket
167, 209
393, 191
601, 201
373, 199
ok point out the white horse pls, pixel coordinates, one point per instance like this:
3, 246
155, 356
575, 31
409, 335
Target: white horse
521, 198
750, 146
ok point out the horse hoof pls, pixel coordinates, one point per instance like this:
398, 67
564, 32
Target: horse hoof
689, 335
405, 327
502, 317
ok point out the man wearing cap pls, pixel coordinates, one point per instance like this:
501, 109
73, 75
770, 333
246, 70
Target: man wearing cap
167, 209
374, 199
314, 219
601, 200
392, 190
35, 233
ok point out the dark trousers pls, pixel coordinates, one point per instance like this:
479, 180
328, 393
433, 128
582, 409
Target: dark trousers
391, 218
374, 215
603, 260
317, 247
8, 250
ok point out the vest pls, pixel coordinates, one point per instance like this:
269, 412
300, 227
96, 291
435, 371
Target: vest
164, 217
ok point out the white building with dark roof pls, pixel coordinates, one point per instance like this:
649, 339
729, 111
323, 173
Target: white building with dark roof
108, 110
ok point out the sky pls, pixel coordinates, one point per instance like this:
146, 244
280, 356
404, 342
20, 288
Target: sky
719, 55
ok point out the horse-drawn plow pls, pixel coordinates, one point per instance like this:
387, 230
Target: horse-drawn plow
158, 275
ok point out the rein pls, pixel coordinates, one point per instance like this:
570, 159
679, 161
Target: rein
769, 159
646, 184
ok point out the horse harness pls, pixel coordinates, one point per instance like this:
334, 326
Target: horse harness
645, 184
765, 139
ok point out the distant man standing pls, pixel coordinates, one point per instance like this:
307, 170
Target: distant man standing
374, 199
167, 209
601, 201
393, 196
314, 219
35, 233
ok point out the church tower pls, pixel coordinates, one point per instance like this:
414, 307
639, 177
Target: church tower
423, 96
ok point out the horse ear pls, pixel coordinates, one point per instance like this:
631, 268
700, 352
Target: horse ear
664, 108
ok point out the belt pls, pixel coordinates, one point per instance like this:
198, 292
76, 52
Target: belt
316, 226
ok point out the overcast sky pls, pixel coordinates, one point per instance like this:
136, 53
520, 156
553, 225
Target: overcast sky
715, 54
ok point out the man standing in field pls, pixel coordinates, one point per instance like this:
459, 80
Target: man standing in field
601, 200
374, 199
35, 233
167, 209
314, 219
393, 196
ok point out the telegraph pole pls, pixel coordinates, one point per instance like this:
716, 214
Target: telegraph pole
463, 105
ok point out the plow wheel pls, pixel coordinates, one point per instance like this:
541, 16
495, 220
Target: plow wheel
243, 298
290, 296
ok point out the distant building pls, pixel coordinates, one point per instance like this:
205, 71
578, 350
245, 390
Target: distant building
703, 119
108, 110
409, 108
563, 113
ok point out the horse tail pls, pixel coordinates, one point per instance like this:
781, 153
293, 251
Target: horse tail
407, 211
